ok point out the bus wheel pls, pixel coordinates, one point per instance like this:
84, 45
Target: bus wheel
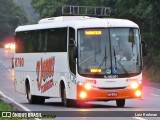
41, 100
31, 98
66, 102
120, 103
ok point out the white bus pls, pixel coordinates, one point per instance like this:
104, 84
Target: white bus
79, 58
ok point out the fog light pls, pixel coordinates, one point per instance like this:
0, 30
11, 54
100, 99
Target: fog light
88, 86
138, 93
83, 95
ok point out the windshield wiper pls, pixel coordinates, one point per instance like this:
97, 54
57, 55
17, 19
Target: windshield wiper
103, 60
114, 53
120, 64
123, 68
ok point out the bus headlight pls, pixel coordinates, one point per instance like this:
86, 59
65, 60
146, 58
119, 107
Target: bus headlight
88, 86
81, 83
134, 84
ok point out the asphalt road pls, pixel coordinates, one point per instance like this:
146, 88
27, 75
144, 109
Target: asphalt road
150, 101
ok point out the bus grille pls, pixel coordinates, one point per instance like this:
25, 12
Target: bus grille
114, 88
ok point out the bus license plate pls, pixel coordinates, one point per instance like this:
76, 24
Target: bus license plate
112, 94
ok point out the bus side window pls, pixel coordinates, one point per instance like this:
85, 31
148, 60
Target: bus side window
57, 40
39, 41
35, 41
51, 40
30, 42
26, 42
72, 63
19, 42
42, 41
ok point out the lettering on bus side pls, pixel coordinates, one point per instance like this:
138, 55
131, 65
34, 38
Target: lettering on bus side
45, 72
19, 62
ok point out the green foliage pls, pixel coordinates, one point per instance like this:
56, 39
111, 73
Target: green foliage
31, 15
5, 107
48, 8
11, 16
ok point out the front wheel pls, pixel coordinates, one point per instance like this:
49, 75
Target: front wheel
40, 100
31, 98
66, 102
120, 103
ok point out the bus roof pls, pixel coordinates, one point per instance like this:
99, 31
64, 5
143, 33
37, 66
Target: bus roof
77, 22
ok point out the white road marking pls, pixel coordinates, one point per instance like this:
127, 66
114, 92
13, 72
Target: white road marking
155, 95
6, 66
26, 109
139, 118
18, 104
9, 70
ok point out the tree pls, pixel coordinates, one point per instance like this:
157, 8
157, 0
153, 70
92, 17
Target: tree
48, 8
31, 15
11, 16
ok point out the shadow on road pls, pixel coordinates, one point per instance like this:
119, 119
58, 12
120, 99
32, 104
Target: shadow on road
84, 105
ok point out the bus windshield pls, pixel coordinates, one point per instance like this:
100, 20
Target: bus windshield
109, 51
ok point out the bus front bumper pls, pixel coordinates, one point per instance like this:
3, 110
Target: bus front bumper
96, 94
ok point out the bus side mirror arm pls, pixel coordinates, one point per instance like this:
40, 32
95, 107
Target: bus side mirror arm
144, 48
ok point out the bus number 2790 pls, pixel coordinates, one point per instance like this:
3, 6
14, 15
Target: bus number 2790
19, 62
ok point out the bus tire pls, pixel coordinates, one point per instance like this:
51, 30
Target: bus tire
120, 102
66, 102
31, 98
41, 100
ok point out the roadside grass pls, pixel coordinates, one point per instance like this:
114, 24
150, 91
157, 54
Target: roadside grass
6, 107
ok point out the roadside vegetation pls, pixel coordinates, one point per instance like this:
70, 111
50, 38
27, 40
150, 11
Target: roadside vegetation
31, 15
11, 16
6, 107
